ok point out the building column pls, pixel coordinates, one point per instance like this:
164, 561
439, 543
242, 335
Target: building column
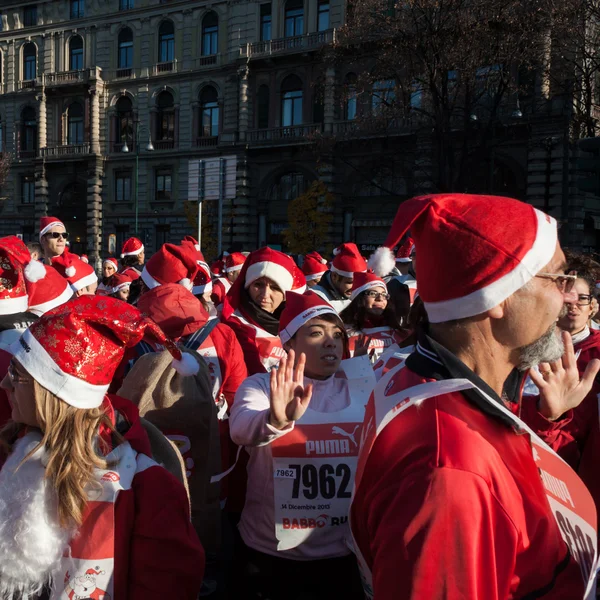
329, 100
244, 109
41, 191
243, 232
42, 121
94, 211
95, 121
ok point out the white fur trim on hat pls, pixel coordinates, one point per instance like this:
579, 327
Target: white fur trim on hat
493, 294
285, 335
187, 366
234, 269
38, 363
280, 275
187, 283
134, 253
367, 286
50, 226
12, 306
348, 274
84, 282
34, 271
202, 289
314, 276
44, 307
149, 280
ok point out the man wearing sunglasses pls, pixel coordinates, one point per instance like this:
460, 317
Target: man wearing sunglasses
53, 238
456, 494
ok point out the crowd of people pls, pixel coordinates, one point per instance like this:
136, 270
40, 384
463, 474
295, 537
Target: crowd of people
266, 428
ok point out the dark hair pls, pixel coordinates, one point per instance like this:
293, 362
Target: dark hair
335, 320
587, 268
355, 314
130, 260
35, 247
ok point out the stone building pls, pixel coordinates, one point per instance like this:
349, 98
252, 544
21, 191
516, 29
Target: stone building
109, 105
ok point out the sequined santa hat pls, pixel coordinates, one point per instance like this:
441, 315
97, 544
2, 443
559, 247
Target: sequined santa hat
16, 270
348, 260
299, 310
202, 281
364, 282
47, 223
48, 293
78, 273
314, 266
234, 262
405, 252
74, 350
132, 247
171, 264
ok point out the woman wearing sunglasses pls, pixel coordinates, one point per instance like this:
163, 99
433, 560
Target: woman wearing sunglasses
370, 317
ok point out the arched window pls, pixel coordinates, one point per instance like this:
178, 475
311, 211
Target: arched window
125, 126
76, 53
166, 42
350, 97
28, 131
125, 41
210, 34
262, 107
75, 124
294, 18
29, 61
165, 130
291, 101
209, 107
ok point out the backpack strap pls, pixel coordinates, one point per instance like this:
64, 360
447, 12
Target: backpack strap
196, 339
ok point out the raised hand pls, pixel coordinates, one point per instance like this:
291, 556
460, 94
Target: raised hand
289, 396
361, 347
560, 387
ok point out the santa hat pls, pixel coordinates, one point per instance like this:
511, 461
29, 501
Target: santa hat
47, 223
475, 251
74, 350
299, 309
111, 260
48, 293
217, 267
192, 240
132, 247
202, 281
234, 262
78, 273
404, 254
348, 261
274, 265
84, 258
94, 572
314, 266
366, 281
117, 282
171, 264
16, 270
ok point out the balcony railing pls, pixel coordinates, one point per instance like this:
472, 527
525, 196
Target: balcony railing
26, 154
292, 134
65, 151
165, 67
125, 73
164, 144
66, 77
212, 60
309, 41
28, 84
207, 141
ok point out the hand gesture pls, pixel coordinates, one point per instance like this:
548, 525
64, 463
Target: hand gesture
289, 397
361, 346
560, 387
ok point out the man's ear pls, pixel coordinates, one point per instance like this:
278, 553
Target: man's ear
594, 308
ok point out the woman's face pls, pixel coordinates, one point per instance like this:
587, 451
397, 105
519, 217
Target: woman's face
323, 344
580, 312
18, 385
123, 294
108, 270
375, 300
266, 293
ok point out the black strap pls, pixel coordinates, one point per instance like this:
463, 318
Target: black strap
196, 339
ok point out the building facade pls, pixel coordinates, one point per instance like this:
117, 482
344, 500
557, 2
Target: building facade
108, 107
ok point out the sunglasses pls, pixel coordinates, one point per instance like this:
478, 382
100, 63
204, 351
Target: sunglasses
57, 234
564, 283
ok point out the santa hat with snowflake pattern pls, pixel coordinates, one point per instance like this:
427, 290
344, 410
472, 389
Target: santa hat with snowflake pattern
474, 251
74, 350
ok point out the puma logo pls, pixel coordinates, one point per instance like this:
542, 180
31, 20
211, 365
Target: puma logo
339, 431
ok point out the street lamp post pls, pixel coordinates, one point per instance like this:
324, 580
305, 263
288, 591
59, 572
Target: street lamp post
149, 148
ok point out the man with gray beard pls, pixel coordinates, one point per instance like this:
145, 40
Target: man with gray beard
456, 493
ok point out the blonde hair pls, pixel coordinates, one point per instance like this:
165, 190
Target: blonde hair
73, 449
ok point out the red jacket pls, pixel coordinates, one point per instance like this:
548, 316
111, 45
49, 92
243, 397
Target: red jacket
451, 506
219, 291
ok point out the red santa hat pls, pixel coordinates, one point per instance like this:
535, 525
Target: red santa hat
117, 282
202, 281
314, 266
274, 265
234, 262
404, 254
48, 293
171, 264
111, 260
192, 240
47, 223
217, 267
299, 310
348, 261
474, 251
78, 273
84, 258
366, 281
132, 247
74, 350
16, 270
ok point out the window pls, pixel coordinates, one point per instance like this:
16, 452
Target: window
75, 124
125, 58
76, 53
265, 22
291, 101
166, 118
163, 184
294, 18
77, 9
28, 189
350, 97
125, 126
262, 108
29, 130
123, 186
323, 16
126, 4
30, 16
384, 94
162, 234
166, 42
416, 95
209, 107
210, 34
29, 62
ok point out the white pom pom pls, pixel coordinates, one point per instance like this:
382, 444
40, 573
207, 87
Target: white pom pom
187, 366
70, 271
186, 283
336, 251
34, 271
382, 261
323, 261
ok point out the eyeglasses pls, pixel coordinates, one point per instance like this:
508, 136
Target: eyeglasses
377, 295
584, 299
57, 234
15, 376
564, 283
